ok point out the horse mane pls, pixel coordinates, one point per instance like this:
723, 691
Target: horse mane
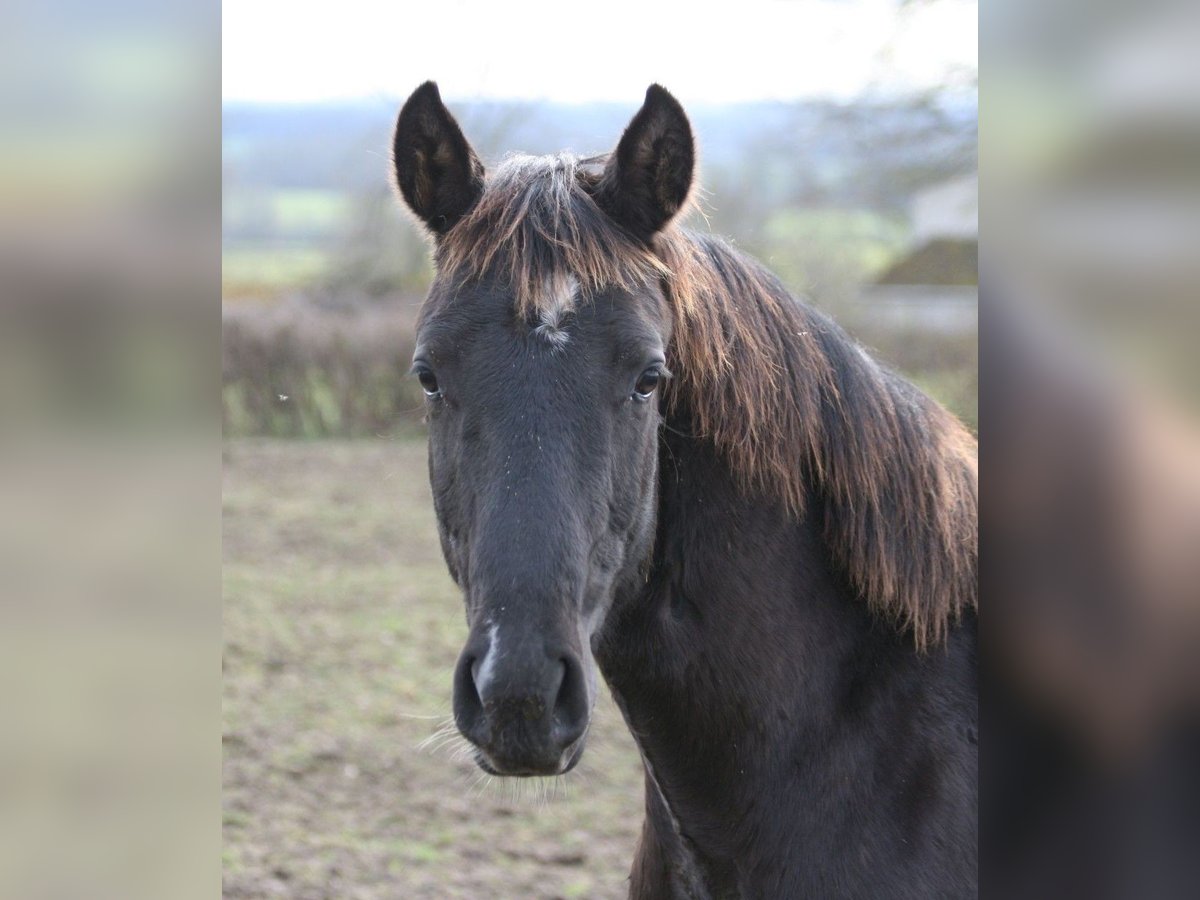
800, 412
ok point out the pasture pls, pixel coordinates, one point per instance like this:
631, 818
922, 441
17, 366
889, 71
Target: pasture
341, 632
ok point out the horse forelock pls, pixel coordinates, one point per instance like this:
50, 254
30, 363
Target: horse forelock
537, 231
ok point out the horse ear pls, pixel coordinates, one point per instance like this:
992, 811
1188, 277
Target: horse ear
648, 179
438, 173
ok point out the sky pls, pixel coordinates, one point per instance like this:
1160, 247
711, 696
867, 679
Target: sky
607, 50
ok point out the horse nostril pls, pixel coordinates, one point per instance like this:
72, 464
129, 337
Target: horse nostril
555, 687
472, 666
570, 704
468, 708
522, 709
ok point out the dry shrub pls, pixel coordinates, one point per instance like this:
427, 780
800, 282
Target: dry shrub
344, 371
292, 369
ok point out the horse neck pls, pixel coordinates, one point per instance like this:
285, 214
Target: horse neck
745, 653
742, 620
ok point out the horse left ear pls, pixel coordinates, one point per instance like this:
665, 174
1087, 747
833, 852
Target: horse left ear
438, 173
649, 177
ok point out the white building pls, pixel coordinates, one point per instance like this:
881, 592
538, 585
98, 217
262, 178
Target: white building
936, 284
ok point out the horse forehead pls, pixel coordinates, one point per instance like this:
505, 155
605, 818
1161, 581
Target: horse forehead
485, 318
554, 310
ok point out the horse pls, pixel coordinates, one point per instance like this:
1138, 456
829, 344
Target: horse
649, 461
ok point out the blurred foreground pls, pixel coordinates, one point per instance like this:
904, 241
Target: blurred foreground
1091, 452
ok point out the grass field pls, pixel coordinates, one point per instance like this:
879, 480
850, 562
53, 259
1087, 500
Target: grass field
341, 631
265, 269
286, 212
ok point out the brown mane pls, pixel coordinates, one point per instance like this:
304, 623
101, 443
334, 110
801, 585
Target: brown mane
800, 412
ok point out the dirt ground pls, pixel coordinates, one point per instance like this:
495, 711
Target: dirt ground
341, 631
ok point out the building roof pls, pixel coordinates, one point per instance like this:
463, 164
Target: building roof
941, 261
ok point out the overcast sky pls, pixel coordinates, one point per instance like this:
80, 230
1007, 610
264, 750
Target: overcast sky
704, 51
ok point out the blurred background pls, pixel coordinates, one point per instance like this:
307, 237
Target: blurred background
838, 145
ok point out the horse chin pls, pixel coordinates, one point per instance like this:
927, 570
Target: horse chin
568, 761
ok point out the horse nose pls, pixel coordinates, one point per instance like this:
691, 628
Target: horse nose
523, 707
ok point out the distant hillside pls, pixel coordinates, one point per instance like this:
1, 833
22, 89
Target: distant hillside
824, 147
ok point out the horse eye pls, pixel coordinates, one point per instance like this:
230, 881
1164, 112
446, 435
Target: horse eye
429, 383
646, 383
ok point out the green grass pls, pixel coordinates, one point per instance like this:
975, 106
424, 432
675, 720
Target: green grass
341, 632
280, 239
287, 213
296, 209
829, 253
269, 268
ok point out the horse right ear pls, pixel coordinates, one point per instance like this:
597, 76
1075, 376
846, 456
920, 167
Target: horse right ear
438, 173
649, 177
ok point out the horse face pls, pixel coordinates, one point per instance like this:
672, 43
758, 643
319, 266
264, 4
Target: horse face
543, 425
543, 461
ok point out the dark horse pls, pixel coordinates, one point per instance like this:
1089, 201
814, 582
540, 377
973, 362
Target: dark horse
647, 457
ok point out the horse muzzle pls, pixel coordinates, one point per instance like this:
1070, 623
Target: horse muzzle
524, 704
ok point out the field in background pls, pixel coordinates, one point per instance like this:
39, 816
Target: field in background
341, 632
